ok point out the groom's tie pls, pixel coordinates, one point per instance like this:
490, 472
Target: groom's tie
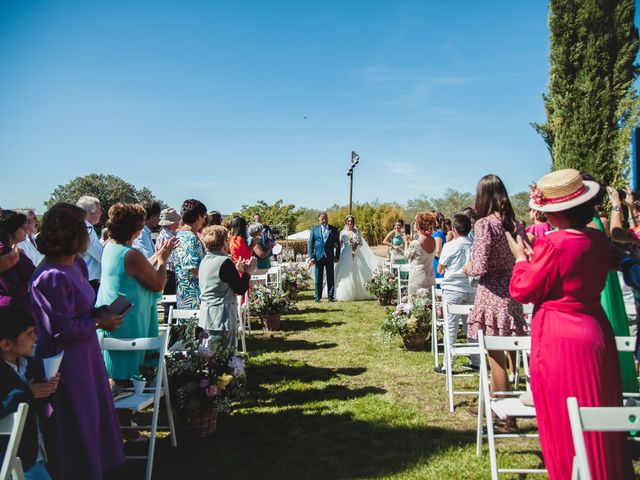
325, 233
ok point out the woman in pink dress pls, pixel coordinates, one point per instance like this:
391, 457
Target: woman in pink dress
573, 351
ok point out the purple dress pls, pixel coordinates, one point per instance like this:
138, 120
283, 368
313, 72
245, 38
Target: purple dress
86, 437
14, 283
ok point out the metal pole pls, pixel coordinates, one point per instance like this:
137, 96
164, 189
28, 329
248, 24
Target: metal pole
350, 192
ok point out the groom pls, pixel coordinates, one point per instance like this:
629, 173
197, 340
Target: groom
324, 251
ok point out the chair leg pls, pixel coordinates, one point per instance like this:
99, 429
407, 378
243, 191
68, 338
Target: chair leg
493, 462
479, 422
167, 400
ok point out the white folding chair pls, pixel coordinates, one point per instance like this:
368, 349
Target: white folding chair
260, 279
274, 271
596, 419
178, 316
243, 311
151, 395
503, 404
437, 319
627, 344
456, 349
403, 283
168, 299
12, 426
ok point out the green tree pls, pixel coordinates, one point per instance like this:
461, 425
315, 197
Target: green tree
109, 189
374, 219
307, 218
277, 214
520, 204
592, 103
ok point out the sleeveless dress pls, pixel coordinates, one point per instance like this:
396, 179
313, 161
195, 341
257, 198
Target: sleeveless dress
420, 267
142, 319
352, 273
438, 234
218, 304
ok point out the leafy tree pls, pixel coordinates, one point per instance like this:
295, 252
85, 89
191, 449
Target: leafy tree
592, 103
419, 204
520, 204
307, 218
277, 214
109, 189
452, 201
374, 219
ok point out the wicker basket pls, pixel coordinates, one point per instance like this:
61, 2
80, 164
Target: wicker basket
203, 423
271, 322
415, 341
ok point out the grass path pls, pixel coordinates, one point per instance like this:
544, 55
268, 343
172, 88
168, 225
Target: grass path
328, 399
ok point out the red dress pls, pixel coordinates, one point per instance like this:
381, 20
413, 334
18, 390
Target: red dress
573, 350
240, 250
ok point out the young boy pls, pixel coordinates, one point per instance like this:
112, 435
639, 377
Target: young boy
21, 381
457, 288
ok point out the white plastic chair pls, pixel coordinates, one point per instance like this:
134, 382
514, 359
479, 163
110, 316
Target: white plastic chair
596, 419
274, 271
12, 426
178, 316
403, 283
151, 395
457, 349
243, 311
261, 279
168, 299
436, 320
504, 404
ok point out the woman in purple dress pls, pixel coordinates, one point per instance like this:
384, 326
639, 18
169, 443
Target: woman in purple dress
86, 439
14, 282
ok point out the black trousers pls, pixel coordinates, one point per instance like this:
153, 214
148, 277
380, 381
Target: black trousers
169, 289
322, 265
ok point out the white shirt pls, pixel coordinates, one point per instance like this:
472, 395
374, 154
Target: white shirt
93, 255
144, 242
28, 246
454, 256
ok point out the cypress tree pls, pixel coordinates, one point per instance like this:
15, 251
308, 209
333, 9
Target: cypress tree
592, 103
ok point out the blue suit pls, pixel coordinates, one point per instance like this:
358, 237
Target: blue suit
325, 252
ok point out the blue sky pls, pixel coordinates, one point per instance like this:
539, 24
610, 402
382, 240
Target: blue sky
232, 102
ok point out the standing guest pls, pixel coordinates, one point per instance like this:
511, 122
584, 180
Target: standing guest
126, 271
539, 226
470, 213
220, 282
86, 438
395, 240
9, 259
440, 236
28, 245
324, 251
261, 251
457, 288
22, 381
143, 242
14, 282
104, 236
93, 255
238, 247
420, 253
189, 253
494, 311
264, 249
573, 348
214, 218
169, 223
449, 230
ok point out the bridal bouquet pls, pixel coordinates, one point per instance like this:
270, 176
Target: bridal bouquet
354, 242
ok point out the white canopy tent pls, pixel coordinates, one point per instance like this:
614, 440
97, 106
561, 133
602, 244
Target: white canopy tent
304, 235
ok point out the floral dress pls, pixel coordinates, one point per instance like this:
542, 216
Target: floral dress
188, 256
494, 311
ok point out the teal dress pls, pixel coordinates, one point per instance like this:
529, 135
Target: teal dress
142, 319
397, 257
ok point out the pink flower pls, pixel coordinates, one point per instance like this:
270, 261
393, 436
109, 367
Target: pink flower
212, 391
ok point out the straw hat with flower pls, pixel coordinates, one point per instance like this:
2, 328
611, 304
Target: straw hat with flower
561, 190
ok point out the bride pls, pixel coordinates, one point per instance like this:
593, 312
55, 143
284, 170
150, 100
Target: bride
356, 265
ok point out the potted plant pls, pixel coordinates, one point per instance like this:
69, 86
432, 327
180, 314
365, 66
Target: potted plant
410, 320
293, 279
204, 377
382, 285
269, 305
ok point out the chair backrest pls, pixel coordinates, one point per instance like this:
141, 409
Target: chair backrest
263, 278
168, 299
273, 270
450, 309
527, 308
626, 344
12, 426
597, 419
511, 344
176, 314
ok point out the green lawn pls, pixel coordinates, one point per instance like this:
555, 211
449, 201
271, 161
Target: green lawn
328, 399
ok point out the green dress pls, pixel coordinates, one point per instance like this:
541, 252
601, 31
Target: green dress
613, 305
397, 257
142, 319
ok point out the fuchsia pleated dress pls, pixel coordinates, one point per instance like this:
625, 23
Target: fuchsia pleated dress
573, 350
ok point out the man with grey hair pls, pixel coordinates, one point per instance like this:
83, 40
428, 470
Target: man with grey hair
28, 245
93, 255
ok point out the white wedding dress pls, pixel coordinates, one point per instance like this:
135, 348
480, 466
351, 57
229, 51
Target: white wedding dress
352, 272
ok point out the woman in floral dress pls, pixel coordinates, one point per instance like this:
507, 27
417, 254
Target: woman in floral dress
188, 254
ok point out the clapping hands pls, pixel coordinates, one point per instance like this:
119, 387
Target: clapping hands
44, 389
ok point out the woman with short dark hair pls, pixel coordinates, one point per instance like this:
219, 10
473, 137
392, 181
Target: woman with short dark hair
189, 253
14, 282
86, 438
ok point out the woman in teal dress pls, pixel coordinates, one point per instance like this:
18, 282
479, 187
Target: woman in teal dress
395, 241
189, 253
126, 271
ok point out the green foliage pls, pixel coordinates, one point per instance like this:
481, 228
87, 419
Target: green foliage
373, 219
520, 204
412, 316
277, 214
592, 103
452, 202
382, 284
265, 301
307, 218
294, 278
109, 189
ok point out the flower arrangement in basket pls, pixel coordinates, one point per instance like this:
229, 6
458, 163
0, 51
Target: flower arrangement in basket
293, 279
382, 285
411, 320
204, 377
268, 304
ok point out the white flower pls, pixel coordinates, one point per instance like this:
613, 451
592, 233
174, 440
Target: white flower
407, 307
238, 366
422, 292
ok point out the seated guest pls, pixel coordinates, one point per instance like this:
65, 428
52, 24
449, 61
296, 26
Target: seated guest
126, 271
28, 245
143, 242
93, 254
189, 253
86, 438
420, 253
14, 282
261, 251
214, 218
220, 282
22, 381
169, 223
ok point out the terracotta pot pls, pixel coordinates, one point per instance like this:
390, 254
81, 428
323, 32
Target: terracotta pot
202, 423
415, 341
271, 322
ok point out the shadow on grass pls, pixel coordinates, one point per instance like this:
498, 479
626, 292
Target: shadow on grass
272, 372
288, 325
304, 310
281, 344
291, 398
312, 444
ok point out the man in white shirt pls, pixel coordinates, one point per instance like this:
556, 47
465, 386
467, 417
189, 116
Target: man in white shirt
93, 255
28, 245
457, 288
144, 243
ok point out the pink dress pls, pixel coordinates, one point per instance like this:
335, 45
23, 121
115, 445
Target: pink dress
573, 351
494, 311
539, 229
